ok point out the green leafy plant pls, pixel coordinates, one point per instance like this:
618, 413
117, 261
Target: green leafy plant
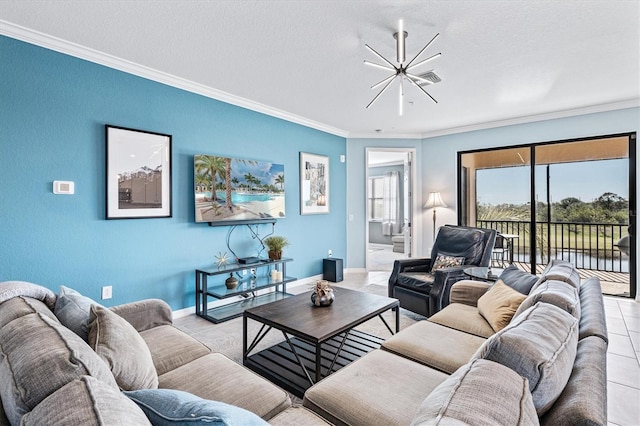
275, 244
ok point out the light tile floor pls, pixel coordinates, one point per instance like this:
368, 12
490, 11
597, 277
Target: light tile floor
623, 367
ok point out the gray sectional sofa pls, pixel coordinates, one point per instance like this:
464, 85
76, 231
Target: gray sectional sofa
66, 361
547, 365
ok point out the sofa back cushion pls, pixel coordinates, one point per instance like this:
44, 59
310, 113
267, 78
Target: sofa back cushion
20, 306
498, 305
38, 355
560, 270
558, 293
540, 345
123, 349
497, 394
86, 401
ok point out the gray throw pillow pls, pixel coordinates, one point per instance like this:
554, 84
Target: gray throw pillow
168, 407
518, 280
479, 393
123, 349
72, 309
540, 344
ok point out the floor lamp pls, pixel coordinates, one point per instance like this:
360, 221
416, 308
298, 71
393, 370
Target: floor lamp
434, 201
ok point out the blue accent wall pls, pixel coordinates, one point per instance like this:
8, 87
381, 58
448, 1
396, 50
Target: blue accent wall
53, 109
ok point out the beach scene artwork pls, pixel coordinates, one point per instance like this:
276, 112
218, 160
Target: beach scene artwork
234, 189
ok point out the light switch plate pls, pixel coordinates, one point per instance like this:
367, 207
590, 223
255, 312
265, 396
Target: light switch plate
63, 187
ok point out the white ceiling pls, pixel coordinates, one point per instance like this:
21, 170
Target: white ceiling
502, 61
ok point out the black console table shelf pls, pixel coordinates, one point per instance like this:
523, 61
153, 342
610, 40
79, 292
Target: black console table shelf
247, 287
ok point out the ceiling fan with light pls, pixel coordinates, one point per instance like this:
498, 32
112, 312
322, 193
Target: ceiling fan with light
402, 72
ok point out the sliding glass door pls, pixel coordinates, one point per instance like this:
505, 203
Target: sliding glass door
572, 200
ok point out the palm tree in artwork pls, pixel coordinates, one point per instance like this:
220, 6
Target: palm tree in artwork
208, 166
250, 179
280, 180
228, 180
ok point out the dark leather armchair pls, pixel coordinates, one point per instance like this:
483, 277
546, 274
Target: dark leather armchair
425, 291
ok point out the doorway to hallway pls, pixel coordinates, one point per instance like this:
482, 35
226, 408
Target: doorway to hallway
389, 177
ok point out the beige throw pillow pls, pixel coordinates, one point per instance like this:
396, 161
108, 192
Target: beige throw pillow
498, 305
123, 349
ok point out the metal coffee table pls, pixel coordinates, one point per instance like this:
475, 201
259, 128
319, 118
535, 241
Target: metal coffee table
318, 340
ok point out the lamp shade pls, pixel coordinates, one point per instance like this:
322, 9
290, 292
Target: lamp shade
434, 200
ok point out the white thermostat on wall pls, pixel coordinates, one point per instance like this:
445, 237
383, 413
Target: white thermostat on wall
63, 187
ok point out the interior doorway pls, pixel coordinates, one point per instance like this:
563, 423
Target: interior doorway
389, 208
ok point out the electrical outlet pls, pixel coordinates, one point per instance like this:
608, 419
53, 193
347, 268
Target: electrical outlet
106, 292
244, 272
253, 271
330, 253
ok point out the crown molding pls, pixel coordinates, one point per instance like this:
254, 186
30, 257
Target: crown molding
68, 48
613, 106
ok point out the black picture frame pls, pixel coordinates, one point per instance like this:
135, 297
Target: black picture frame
138, 173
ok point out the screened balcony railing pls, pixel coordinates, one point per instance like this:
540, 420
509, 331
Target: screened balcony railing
586, 245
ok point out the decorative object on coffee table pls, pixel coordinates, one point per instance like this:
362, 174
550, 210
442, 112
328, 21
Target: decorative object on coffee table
322, 294
275, 244
231, 282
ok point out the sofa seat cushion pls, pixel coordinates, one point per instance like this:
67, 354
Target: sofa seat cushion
20, 306
479, 393
416, 281
122, 349
584, 399
170, 348
558, 293
499, 304
437, 346
38, 355
216, 377
297, 415
540, 345
165, 407
378, 389
86, 401
464, 318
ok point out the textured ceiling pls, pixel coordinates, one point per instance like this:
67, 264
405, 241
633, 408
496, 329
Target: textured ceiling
303, 60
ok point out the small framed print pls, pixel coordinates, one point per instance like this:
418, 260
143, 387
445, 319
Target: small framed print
314, 184
138, 173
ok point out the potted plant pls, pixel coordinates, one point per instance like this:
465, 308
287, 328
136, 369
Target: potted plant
275, 244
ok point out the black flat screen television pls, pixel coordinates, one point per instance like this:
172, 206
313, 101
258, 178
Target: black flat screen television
233, 191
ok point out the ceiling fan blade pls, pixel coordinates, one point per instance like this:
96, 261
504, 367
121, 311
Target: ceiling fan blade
420, 87
381, 92
423, 49
401, 97
418, 78
384, 67
426, 60
384, 81
379, 55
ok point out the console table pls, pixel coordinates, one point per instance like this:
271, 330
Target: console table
210, 283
